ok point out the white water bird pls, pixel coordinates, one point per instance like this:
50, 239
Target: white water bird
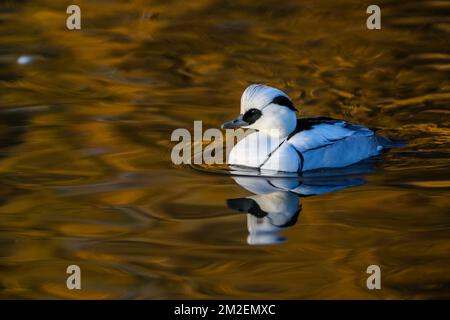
284, 143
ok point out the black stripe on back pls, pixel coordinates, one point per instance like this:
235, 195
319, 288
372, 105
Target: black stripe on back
307, 123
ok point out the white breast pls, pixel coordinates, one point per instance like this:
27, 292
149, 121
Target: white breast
262, 151
253, 150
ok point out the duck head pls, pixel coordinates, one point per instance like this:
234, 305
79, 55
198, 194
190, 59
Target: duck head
265, 109
267, 214
269, 210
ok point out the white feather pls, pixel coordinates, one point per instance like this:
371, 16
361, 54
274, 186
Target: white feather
319, 136
258, 96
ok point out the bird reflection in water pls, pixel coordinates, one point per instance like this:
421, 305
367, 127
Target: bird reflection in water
276, 201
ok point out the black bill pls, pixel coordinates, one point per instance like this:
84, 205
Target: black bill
236, 123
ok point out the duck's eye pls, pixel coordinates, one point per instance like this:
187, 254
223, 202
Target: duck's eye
252, 115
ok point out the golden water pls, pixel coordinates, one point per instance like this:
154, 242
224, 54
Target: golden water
85, 170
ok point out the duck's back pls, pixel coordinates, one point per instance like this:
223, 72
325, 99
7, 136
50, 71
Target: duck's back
330, 143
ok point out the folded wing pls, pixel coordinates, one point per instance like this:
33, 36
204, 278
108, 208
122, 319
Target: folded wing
328, 143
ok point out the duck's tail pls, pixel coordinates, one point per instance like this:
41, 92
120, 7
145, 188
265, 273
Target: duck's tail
385, 144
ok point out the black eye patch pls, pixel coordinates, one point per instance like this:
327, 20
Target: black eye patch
283, 101
251, 116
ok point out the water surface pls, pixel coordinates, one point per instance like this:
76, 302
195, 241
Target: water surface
85, 170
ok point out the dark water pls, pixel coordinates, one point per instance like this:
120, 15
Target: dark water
85, 170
